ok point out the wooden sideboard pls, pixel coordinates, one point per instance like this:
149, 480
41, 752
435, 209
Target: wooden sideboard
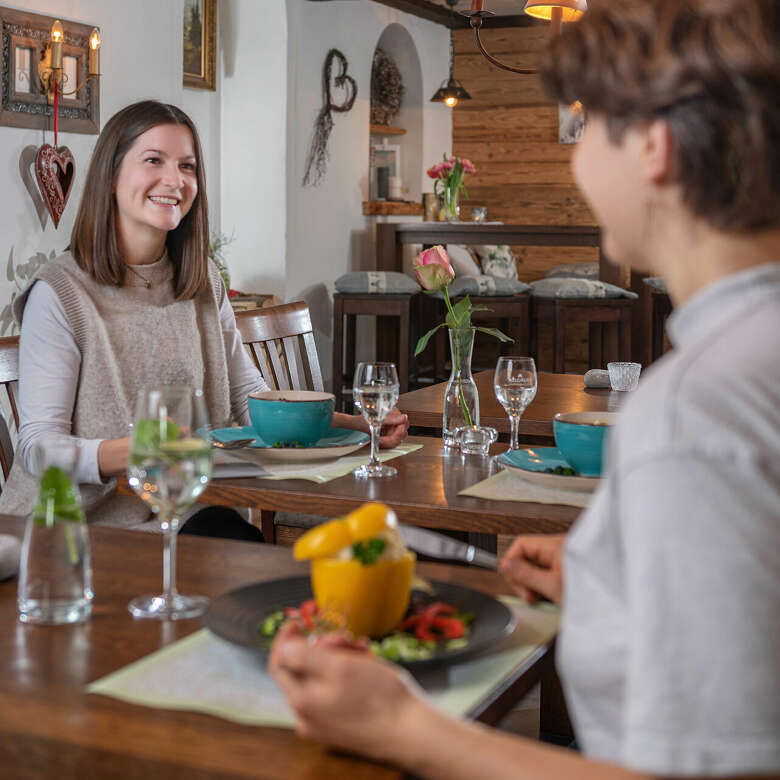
390, 237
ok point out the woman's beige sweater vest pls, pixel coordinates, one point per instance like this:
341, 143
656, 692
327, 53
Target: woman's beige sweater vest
129, 337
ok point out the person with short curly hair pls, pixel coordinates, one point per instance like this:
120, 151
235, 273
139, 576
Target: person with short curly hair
670, 580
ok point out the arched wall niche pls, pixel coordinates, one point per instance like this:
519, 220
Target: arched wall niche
398, 44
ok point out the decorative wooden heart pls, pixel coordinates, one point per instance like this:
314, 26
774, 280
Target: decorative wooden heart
54, 169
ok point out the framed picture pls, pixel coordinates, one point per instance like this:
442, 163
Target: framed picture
384, 156
200, 44
25, 57
571, 123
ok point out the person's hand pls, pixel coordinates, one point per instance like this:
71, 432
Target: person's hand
393, 430
343, 696
533, 566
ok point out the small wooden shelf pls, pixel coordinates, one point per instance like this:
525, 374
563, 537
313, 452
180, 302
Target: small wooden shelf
387, 130
404, 208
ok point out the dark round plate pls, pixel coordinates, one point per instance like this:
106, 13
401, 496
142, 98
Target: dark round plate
238, 614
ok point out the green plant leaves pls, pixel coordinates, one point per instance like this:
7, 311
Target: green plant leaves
423, 342
496, 333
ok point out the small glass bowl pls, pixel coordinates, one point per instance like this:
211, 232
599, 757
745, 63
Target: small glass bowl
479, 214
624, 376
475, 439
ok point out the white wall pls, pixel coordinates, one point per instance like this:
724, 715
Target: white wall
253, 145
327, 234
140, 58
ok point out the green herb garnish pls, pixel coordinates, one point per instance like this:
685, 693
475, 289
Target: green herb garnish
368, 552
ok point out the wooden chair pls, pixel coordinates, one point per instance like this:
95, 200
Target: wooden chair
278, 337
509, 313
9, 381
596, 312
394, 314
661, 309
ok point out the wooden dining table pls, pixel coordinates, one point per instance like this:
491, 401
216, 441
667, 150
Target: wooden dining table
555, 393
50, 727
425, 493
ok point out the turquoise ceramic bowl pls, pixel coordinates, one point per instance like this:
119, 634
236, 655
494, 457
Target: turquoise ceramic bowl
288, 416
580, 437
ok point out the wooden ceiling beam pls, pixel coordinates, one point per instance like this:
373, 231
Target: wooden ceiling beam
441, 15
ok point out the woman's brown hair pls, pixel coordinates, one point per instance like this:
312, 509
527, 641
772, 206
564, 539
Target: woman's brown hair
93, 242
710, 69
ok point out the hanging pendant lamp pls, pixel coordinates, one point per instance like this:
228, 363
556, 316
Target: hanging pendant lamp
451, 91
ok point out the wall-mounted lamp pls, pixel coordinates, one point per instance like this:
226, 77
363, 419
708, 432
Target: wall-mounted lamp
50, 70
556, 12
451, 91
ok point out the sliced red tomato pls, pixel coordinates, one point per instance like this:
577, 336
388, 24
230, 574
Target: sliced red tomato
452, 628
308, 613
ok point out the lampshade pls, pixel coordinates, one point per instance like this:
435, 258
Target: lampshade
450, 92
571, 10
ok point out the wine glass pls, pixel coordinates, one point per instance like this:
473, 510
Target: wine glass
375, 392
515, 386
169, 467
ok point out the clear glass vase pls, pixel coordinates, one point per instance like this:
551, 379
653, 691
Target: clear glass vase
461, 399
449, 209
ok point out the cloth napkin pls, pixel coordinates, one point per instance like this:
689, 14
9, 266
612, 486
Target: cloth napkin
509, 486
203, 673
234, 465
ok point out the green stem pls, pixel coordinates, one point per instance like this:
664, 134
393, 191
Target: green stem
456, 361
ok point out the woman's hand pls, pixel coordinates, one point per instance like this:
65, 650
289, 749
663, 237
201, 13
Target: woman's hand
343, 696
533, 566
112, 456
391, 434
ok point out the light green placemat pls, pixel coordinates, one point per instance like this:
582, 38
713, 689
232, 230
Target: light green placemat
509, 486
322, 471
203, 673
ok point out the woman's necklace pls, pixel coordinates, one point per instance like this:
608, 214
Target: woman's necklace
146, 282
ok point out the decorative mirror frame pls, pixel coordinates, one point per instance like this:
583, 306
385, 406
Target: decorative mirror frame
79, 113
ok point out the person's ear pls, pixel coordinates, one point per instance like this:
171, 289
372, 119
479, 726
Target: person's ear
657, 151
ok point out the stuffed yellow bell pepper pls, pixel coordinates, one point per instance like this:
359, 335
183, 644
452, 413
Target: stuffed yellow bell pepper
361, 570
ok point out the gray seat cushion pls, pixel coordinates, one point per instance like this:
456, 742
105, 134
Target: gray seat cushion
485, 285
574, 271
391, 282
497, 260
657, 283
577, 288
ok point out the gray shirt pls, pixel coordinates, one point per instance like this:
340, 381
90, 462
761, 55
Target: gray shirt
49, 363
670, 647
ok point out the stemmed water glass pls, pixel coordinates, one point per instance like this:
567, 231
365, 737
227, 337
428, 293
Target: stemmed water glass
375, 392
515, 386
169, 467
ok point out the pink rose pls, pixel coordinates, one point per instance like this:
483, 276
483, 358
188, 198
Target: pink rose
433, 268
435, 171
448, 165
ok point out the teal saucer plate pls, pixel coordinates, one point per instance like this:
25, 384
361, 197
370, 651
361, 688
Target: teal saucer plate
532, 464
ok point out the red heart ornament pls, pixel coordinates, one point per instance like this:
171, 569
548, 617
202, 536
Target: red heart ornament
54, 169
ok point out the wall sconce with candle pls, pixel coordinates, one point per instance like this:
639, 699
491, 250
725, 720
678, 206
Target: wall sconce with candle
39, 51
50, 80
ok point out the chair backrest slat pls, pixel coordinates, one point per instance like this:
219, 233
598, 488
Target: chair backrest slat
278, 337
9, 381
311, 364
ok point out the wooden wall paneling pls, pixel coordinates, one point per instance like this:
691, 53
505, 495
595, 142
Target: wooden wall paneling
509, 130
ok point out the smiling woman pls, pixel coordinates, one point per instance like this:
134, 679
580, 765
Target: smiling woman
134, 302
